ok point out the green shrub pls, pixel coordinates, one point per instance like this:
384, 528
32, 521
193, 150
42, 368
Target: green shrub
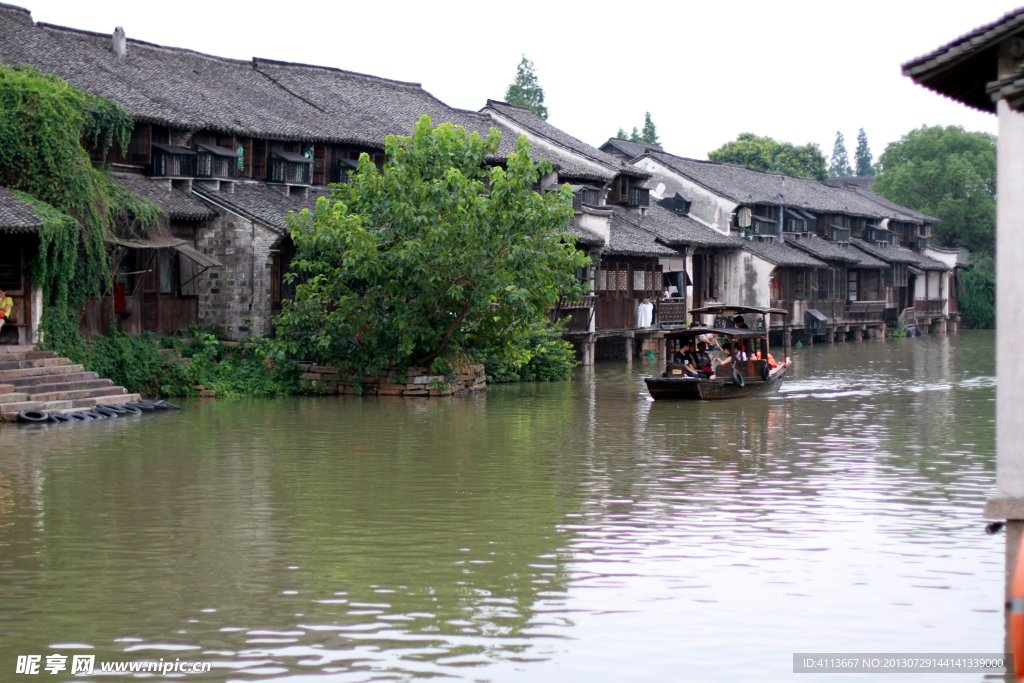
539, 355
978, 295
130, 362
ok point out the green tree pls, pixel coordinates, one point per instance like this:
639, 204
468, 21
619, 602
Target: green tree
43, 121
766, 154
862, 157
526, 90
635, 135
949, 173
436, 254
650, 134
840, 164
622, 135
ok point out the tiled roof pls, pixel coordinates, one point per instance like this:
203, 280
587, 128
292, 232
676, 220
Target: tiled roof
674, 230
631, 149
962, 68
748, 186
259, 202
177, 203
781, 254
914, 216
629, 240
259, 98
852, 181
16, 215
895, 254
827, 250
525, 118
584, 237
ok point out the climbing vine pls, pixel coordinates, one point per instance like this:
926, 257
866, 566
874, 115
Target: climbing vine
43, 121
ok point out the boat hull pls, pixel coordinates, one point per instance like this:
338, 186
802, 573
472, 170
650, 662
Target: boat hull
666, 388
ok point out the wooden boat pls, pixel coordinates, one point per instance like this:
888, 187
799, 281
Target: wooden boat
751, 375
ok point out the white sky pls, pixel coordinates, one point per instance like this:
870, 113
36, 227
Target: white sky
707, 71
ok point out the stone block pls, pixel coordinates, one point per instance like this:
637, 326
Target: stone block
416, 392
413, 372
310, 375
427, 379
392, 387
331, 390
390, 392
199, 387
208, 393
351, 390
324, 369
446, 392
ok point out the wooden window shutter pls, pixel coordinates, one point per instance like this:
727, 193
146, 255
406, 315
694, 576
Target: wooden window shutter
259, 158
141, 145
319, 164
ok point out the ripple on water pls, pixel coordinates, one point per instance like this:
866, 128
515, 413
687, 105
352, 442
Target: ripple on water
572, 525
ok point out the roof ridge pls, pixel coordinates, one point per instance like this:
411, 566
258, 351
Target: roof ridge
508, 104
976, 32
316, 67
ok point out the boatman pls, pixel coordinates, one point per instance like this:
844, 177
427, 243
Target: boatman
6, 306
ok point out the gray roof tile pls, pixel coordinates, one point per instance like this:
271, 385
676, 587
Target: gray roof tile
525, 118
632, 149
177, 203
894, 254
782, 255
262, 203
16, 215
674, 230
748, 186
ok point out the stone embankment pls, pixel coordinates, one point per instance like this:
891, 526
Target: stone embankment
39, 380
418, 381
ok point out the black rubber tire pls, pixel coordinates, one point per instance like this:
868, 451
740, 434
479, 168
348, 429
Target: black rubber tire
33, 416
104, 410
80, 417
161, 405
766, 372
139, 405
60, 417
119, 409
169, 406
147, 401
130, 410
662, 374
737, 378
94, 415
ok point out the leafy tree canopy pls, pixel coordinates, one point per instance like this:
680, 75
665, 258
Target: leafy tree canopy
436, 254
840, 164
525, 89
649, 135
862, 157
949, 173
43, 120
766, 154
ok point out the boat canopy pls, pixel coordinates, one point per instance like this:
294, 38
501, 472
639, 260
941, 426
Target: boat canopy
728, 309
729, 332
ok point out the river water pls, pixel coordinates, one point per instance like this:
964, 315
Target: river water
574, 531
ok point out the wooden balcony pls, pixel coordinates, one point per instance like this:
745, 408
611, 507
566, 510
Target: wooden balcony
670, 312
865, 311
579, 312
925, 308
616, 314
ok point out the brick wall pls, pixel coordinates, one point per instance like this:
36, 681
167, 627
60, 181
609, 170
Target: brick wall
241, 289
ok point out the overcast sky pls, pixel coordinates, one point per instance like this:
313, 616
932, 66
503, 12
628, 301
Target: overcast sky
707, 71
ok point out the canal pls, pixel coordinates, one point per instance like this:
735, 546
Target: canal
573, 531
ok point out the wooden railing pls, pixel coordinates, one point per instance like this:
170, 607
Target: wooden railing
929, 307
671, 312
580, 313
865, 311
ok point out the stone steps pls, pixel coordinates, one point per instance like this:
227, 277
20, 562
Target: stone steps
14, 348
108, 390
7, 375
69, 378
50, 387
31, 363
40, 380
25, 355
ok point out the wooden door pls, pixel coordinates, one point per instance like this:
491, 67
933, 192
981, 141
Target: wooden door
149, 294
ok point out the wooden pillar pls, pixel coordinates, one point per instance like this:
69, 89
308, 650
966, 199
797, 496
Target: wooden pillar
630, 349
953, 326
662, 356
858, 334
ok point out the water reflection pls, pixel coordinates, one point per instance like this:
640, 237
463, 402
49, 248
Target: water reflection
574, 530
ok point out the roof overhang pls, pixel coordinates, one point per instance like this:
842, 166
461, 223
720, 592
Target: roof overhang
178, 245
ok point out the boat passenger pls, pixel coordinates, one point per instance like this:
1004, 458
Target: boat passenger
703, 359
684, 356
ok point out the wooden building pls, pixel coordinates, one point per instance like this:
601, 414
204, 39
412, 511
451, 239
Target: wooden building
19, 241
